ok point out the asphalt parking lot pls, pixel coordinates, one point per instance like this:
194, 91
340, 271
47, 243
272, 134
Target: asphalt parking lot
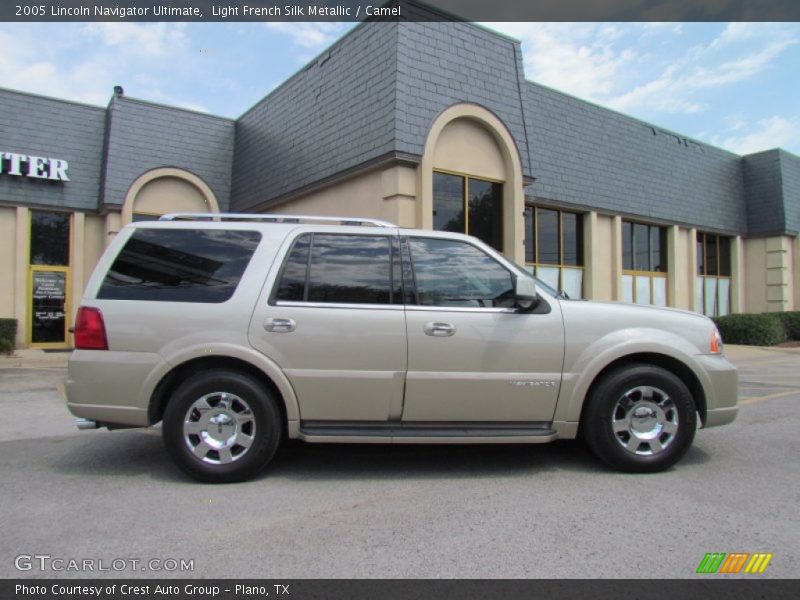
391, 511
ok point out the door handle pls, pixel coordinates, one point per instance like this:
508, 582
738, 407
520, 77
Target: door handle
439, 329
279, 325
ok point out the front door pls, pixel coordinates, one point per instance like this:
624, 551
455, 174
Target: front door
471, 356
48, 307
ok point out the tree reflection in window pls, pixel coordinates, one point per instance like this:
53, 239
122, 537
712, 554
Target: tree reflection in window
453, 273
180, 265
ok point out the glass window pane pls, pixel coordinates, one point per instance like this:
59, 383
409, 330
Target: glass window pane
180, 265
350, 269
530, 236
660, 291
549, 275
486, 212
627, 288
723, 296
641, 248
573, 282
49, 238
292, 285
48, 307
572, 239
627, 246
547, 235
642, 289
725, 256
710, 291
448, 203
658, 253
663, 250
711, 255
452, 273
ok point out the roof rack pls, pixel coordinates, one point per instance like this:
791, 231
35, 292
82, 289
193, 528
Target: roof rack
273, 218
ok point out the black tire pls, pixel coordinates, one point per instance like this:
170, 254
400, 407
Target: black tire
631, 397
244, 432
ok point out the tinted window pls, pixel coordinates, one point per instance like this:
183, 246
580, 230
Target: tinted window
180, 265
547, 222
344, 269
453, 273
486, 212
627, 245
292, 286
448, 202
49, 238
725, 256
571, 239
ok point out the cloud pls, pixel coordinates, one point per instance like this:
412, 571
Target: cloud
309, 35
772, 132
83, 81
648, 67
579, 58
150, 39
739, 53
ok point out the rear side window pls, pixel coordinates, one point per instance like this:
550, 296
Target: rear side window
341, 269
180, 265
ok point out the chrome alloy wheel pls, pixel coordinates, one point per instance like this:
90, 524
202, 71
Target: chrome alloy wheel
644, 420
219, 428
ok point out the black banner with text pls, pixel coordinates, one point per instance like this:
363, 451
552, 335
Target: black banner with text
432, 10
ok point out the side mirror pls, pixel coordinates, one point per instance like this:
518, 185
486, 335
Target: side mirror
525, 293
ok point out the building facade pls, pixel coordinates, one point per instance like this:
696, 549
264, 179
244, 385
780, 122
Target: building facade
428, 125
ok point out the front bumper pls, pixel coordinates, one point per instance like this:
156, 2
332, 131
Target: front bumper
721, 389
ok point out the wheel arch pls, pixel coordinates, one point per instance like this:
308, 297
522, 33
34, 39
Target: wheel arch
179, 373
666, 362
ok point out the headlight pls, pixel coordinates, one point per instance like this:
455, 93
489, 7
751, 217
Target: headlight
716, 342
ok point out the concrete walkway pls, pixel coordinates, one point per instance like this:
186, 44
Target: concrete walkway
35, 359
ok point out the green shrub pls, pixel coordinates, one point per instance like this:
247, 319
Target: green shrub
791, 323
8, 329
753, 330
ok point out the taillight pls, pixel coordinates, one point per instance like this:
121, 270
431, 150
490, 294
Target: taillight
90, 330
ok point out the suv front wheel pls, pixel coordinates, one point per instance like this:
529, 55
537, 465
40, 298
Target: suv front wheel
222, 426
640, 419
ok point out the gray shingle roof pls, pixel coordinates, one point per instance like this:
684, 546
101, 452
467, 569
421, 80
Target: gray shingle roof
145, 136
40, 126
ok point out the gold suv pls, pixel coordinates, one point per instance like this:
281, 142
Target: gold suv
236, 331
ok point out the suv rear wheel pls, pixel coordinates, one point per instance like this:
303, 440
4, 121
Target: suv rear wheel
640, 419
222, 426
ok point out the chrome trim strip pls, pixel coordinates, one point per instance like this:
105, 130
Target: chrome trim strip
274, 218
460, 309
454, 309
333, 305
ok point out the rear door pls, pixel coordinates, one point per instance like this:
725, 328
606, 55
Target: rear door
334, 322
472, 357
